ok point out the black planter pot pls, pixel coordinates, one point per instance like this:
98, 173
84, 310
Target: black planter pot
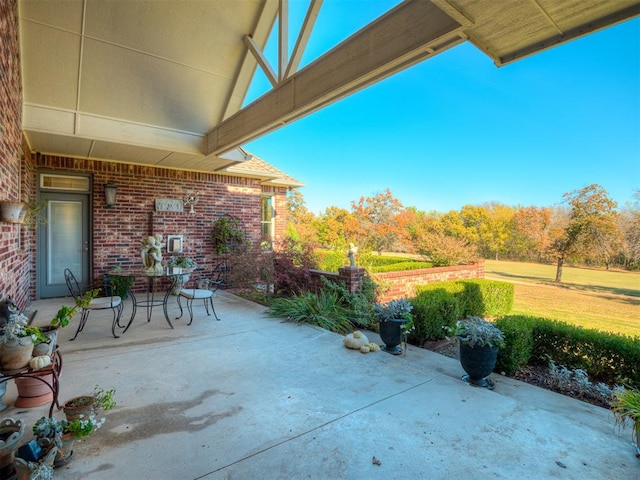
478, 362
391, 335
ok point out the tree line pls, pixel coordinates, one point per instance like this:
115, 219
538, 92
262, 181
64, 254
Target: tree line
585, 228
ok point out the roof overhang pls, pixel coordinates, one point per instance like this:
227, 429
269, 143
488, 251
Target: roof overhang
163, 83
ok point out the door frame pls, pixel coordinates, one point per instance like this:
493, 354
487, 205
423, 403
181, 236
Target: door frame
42, 231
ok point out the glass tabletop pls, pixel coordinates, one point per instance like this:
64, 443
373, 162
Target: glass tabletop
141, 272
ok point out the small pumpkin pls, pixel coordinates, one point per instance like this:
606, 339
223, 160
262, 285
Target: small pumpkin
39, 362
374, 347
365, 349
355, 340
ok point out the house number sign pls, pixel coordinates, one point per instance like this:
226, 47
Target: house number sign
169, 205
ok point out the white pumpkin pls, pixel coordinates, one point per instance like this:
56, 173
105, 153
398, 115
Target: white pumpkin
355, 340
36, 363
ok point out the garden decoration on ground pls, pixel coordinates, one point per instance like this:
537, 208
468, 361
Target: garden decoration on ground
358, 341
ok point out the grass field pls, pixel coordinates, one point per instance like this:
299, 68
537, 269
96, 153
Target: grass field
604, 300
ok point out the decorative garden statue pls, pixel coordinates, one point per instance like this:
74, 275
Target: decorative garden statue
152, 253
8, 308
352, 255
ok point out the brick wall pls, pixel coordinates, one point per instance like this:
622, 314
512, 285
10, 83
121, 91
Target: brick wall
15, 260
118, 231
403, 284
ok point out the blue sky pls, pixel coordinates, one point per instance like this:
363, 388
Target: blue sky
456, 130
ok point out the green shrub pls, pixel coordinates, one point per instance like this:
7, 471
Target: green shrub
433, 309
400, 266
606, 357
358, 305
518, 349
330, 260
322, 309
368, 259
487, 298
477, 297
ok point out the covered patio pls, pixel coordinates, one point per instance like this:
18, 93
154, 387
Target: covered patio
252, 396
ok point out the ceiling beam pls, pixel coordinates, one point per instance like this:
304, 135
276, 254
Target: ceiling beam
404, 36
303, 37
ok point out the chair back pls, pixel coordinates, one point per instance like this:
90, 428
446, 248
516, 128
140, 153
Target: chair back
72, 284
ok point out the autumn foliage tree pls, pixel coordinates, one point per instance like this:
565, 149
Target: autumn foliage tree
377, 217
590, 221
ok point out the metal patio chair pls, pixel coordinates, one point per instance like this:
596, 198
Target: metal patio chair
113, 302
204, 289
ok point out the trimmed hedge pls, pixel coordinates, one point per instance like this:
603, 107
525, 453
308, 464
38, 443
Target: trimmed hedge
400, 266
441, 304
432, 311
518, 338
606, 357
488, 298
477, 297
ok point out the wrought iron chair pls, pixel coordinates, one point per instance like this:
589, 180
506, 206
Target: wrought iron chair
113, 302
204, 289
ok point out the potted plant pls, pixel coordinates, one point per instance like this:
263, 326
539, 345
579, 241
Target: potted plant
479, 344
180, 261
11, 431
12, 212
394, 321
116, 285
84, 406
626, 408
16, 345
62, 434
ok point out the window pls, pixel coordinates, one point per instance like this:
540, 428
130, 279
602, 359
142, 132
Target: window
266, 223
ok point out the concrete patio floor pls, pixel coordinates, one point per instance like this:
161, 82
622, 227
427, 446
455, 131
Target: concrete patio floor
253, 397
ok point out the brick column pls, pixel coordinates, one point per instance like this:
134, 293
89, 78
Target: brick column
352, 277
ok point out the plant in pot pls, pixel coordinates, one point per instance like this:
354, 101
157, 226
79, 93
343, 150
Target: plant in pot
626, 409
84, 406
479, 344
118, 286
62, 434
394, 321
11, 431
16, 345
180, 261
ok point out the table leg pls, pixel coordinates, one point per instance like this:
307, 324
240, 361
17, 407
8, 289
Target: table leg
134, 304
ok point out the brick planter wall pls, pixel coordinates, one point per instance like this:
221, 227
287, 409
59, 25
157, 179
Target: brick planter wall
401, 284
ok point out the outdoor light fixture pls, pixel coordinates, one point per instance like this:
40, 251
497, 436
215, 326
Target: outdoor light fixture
110, 194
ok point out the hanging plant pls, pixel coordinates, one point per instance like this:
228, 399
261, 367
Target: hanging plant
228, 234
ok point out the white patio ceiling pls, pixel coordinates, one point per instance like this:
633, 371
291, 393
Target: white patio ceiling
163, 82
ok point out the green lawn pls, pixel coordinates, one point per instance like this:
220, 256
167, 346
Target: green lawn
592, 298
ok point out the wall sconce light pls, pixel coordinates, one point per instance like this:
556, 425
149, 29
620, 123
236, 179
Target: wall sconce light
110, 194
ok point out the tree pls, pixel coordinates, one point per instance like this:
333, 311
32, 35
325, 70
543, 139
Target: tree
300, 221
377, 216
629, 226
335, 228
529, 239
590, 221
